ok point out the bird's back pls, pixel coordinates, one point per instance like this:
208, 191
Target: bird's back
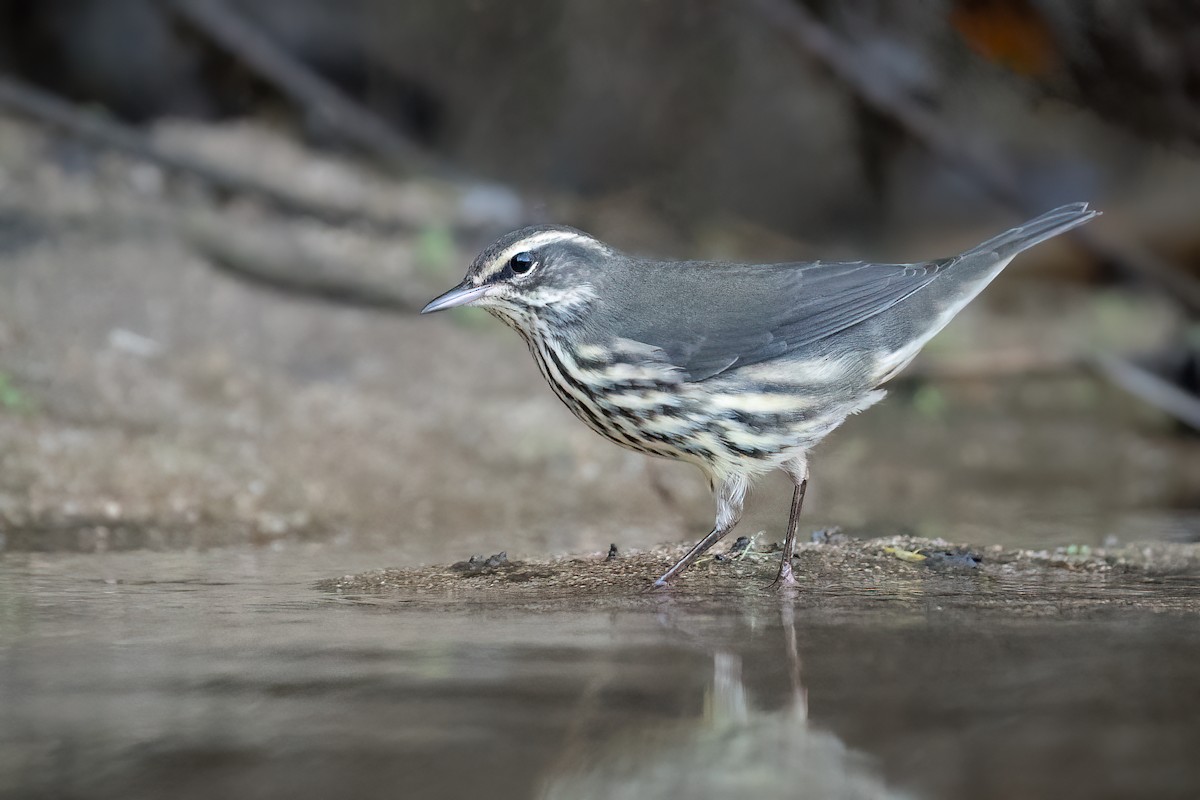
709, 318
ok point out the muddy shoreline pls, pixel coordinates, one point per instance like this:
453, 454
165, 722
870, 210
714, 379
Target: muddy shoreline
855, 572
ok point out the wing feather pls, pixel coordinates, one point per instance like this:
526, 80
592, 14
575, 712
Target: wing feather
756, 314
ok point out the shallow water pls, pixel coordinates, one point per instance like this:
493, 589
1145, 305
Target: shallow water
227, 674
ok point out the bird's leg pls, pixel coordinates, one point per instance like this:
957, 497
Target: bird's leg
729, 510
799, 472
717, 534
786, 576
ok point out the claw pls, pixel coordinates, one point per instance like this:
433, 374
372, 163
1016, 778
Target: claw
658, 586
786, 578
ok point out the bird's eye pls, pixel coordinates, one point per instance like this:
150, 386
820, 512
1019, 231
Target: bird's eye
522, 263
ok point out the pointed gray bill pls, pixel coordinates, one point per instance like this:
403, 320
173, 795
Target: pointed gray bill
458, 296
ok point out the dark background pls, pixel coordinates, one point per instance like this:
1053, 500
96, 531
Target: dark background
187, 185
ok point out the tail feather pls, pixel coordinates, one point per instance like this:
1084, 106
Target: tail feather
963, 277
1035, 231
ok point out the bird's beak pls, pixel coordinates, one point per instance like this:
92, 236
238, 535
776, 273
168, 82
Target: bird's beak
461, 295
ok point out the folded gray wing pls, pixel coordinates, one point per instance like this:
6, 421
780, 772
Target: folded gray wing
743, 315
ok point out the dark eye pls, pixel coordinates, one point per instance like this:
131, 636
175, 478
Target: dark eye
522, 263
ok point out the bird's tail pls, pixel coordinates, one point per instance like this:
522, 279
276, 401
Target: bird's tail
1035, 231
964, 276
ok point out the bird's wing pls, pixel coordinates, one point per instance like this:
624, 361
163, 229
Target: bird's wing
755, 314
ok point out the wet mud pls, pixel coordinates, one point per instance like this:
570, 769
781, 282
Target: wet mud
1158, 576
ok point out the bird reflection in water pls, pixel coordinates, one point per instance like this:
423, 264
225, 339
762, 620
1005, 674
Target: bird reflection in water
734, 750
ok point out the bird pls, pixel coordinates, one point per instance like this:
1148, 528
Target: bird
739, 369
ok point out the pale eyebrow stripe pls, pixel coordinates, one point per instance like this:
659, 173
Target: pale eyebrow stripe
531, 243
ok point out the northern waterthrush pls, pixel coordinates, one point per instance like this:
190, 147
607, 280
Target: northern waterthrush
737, 368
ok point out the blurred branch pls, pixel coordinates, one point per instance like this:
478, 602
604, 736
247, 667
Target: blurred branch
1152, 389
880, 93
90, 126
233, 33
993, 365
274, 261
1135, 259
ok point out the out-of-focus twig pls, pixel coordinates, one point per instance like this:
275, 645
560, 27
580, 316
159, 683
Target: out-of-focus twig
276, 262
882, 95
1152, 389
1135, 259
45, 108
993, 365
238, 36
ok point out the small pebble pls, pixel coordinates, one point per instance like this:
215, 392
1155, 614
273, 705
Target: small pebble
829, 536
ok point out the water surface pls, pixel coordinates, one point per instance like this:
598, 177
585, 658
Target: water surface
227, 674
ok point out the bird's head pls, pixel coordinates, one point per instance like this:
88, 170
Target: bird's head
532, 273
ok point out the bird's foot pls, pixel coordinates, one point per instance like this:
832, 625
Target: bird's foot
786, 579
660, 585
